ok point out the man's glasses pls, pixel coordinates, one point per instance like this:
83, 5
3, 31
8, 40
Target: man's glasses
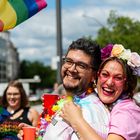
79, 66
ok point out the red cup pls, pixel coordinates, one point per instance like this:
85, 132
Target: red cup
29, 133
49, 100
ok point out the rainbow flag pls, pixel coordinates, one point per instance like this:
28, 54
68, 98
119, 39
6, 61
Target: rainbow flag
14, 12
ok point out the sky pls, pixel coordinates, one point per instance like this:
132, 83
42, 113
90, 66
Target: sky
35, 39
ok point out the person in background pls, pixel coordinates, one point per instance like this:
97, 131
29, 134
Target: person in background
55, 86
79, 73
117, 80
15, 101
60, 90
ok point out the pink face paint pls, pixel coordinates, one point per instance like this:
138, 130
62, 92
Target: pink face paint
112, 79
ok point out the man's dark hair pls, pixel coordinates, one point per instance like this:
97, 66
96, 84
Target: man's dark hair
91, 48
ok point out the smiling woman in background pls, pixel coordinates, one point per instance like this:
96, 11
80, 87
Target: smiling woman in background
16, 102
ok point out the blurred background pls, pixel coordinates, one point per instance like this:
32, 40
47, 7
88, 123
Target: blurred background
32, 51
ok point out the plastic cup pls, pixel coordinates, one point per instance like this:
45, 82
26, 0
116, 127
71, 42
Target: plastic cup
29, 133
49, 100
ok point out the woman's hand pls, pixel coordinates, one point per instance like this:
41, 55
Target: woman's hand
20, 133
71, 113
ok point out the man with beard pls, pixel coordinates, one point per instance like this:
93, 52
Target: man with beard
79, 73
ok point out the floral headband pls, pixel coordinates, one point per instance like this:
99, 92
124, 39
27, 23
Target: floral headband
117, 50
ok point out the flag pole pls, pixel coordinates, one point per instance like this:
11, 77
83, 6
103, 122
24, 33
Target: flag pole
59, 39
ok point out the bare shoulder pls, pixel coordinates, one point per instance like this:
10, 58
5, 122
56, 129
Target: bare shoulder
33, 111
33, 116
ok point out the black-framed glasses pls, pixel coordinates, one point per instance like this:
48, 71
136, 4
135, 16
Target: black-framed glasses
79, 66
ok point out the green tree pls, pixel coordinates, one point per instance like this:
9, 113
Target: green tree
122, 30
30, 69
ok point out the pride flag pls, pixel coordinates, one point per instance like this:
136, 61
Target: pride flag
14, 12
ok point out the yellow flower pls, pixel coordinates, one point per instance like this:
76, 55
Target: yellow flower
55, 108
48, 118
117, 50
68, 98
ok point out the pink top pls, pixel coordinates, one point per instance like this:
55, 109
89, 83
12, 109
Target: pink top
125, 120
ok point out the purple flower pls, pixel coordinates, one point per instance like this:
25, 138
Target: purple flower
106, 51
136, 71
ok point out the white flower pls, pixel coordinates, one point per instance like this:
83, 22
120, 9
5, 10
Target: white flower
134, 60
126, 54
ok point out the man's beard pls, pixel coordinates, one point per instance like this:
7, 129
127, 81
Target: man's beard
74, 90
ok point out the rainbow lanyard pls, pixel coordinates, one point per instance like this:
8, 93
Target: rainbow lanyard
76, 99
52, 118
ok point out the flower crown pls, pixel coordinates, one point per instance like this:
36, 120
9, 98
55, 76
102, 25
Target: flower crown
118, 50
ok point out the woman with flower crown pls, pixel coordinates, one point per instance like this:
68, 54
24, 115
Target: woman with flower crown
117, 80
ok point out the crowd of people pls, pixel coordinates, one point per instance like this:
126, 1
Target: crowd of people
97, 103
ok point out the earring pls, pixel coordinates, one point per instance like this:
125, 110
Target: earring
94, 84
91, 87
